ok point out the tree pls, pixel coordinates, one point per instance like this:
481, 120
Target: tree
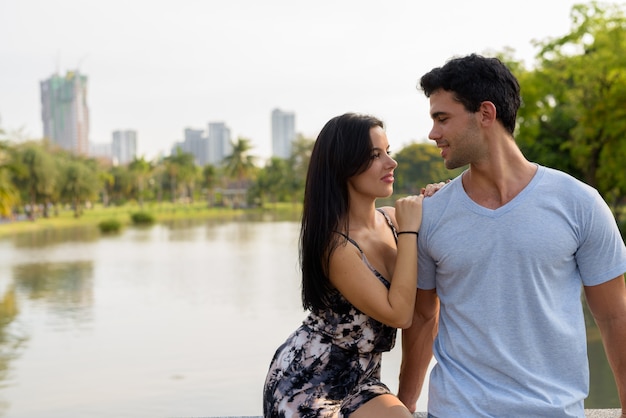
272, 182
574, 113
121, 188
418, 165
181, 171
79, 184
36, 175
9, 195
140, 169
209, 180
299, 165
240, 165
107, 181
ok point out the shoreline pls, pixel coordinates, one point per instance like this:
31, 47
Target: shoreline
162, 212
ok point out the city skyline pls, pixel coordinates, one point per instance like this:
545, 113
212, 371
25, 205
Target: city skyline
161, 67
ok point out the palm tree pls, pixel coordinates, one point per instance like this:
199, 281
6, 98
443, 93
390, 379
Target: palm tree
240, 164
209, 176
181, 172
141, 170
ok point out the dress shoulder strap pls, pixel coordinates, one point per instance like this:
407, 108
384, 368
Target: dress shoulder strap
353, 242
391, 225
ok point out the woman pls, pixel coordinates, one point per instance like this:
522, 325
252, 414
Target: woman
359, 279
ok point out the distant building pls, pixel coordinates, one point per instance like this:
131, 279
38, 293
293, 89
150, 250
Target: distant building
124, 146
220, 144
206, 149
197, 145
101, 150
283, 133
64, 111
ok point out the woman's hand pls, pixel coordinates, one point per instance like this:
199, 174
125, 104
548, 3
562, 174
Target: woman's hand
409, 213
432, 188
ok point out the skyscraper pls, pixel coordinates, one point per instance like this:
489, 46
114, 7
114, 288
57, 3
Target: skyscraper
219, 142
64, 111
283, 133
197, 145
124, 146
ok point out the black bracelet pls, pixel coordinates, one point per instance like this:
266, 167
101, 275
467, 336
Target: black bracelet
408, 232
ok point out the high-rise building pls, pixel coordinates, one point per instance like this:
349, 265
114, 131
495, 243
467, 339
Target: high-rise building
220, 144
197, 145
283, 133
64, 111
124, 146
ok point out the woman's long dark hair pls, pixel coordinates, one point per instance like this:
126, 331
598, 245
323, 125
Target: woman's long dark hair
343, 149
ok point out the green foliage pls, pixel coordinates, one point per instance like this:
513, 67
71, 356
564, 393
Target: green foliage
240, 164
9, 194
418, 165
142, 218
110, 225
274, 182
79, 184
574, 112
36, 174
179, 175
282, 180
139, 170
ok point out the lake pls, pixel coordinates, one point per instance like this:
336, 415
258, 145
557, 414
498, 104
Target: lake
173, 320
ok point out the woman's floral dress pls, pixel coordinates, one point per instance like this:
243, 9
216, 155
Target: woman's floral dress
330, 365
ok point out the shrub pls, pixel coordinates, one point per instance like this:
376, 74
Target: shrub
110, 225
142, 218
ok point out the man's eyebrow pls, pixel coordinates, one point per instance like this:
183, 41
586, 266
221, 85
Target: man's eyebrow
435, 115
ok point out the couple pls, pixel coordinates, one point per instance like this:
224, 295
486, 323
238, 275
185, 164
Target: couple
503, 253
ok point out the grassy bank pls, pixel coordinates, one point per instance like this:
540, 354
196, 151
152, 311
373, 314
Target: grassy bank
162, 212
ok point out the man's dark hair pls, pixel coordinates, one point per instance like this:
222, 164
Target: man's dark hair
474, 79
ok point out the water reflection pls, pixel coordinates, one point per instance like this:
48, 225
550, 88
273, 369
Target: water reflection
66, 287
49, 237
11, 341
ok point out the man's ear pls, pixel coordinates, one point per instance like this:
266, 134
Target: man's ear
488, 112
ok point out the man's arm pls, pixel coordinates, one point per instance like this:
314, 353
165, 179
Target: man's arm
417, 347
607, 303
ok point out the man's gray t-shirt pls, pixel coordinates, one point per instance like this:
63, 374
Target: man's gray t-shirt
511, 338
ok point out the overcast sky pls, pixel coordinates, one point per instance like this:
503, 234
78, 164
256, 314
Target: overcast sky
160, 66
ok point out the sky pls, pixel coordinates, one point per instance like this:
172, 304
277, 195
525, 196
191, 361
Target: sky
160, 66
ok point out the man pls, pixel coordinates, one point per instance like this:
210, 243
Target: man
506, 248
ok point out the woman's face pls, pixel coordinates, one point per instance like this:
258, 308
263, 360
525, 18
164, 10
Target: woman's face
377, 180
